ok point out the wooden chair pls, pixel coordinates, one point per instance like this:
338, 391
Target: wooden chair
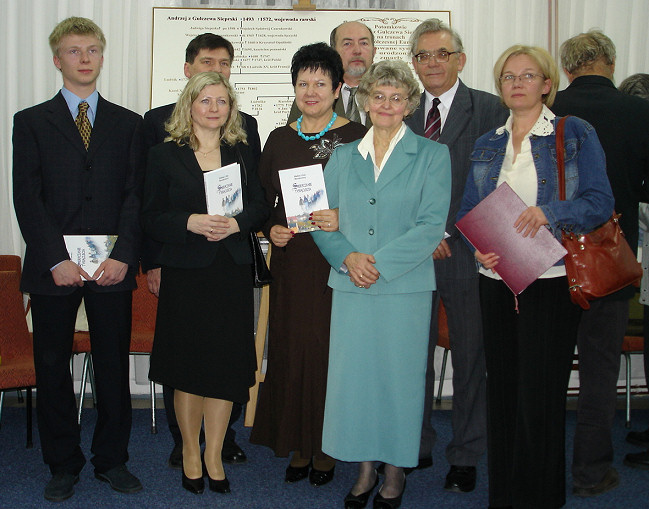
145, 307
443, 341
17, 364
260, 343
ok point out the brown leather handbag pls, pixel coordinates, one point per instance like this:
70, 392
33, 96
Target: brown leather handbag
600, 262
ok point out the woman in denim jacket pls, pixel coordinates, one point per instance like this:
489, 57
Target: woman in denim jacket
529, 350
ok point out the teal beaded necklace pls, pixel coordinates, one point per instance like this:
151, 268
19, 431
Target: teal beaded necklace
320, 134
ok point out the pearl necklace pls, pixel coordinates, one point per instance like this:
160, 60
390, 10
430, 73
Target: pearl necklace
320, 134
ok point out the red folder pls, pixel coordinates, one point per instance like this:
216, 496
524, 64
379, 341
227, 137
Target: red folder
490, 228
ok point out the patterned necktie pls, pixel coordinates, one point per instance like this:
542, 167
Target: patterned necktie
434, 121
352, 112
83, 124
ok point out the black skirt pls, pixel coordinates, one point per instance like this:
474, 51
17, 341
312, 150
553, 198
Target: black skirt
204, 336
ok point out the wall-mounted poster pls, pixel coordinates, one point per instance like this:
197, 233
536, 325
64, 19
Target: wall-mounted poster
264, 42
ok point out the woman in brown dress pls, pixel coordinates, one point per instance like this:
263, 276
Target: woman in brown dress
291, 404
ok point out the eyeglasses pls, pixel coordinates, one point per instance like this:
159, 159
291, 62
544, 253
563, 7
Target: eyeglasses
395, 100
528, 77
439, 56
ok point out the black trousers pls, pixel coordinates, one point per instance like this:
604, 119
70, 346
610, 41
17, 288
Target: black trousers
529, 356
599, 343
109, 320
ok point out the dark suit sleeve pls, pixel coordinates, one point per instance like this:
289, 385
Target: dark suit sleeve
161, 222
43, 236
252, 130
129, 231
153, 132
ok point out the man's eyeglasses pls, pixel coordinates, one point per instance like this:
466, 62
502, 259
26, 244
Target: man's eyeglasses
528, 77
439, 56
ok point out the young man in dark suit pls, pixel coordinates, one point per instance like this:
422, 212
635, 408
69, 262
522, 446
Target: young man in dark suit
206, 52
82, 179
621, 121
463, 114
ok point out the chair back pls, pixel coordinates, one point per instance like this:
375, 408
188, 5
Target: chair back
145, 307
15, 340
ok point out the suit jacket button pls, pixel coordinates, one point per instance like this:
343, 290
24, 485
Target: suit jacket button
88, 198
371, 231
372, 201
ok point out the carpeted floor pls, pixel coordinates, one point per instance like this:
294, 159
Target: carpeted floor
259, 483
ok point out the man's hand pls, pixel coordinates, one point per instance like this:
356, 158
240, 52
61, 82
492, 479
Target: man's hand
153, 277
442, 251
68, 273
110, 272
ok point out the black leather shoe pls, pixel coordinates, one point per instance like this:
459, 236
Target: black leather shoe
637, 460
388, 503
233, 454
321, 477
60, 487
611, 480
175, 460
120, 479
295, 474
639, 438
196, 486
460, 479
222, 486
360, 501
425, 462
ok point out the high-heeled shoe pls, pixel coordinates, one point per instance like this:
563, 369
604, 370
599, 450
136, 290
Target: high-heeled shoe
389, 503
360, 501
196, 486
321, 477
222, 486
295, 474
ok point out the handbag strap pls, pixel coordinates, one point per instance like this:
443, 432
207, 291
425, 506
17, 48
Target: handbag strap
243, 165
559, 135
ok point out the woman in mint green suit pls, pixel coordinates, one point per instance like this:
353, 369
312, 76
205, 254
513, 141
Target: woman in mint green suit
392, 190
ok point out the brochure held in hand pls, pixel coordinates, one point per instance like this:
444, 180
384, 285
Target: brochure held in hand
303, 190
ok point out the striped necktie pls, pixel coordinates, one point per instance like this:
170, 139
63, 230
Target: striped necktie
352, 112
83, 123
433, 122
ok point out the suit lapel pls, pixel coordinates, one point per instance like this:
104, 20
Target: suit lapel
364, 169
458, 116
105, 120
59, 116
399, 161
417, 123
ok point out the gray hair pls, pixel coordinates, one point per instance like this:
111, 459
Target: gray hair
584, 50
393, 73
636, 84
434, 25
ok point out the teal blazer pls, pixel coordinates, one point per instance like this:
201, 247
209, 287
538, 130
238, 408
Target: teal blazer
399, 219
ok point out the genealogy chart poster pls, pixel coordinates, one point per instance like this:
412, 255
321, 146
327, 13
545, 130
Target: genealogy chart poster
264, 42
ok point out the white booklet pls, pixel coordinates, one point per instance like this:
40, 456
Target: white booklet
303, 190
223, 191
89, 251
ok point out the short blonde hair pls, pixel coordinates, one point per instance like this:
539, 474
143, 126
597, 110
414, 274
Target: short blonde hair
180, 125
542, 58
75, 26
393, 73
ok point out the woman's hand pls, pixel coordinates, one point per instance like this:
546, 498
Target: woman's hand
213, 228
530, 220
361, 269
488, 261
280, 235
326, 220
